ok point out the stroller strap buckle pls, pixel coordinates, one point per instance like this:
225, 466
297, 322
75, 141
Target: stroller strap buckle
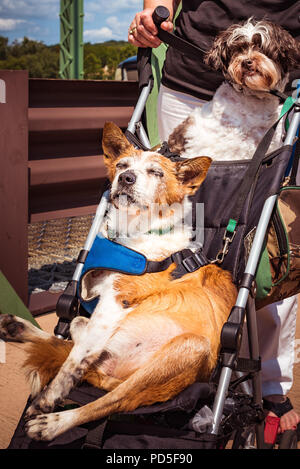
193, 262
188, 262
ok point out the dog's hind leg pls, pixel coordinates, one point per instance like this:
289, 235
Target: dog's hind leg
175, 366
13, 328
45, 353
46, 357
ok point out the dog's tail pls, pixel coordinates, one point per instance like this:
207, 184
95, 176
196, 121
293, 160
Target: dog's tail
44, 360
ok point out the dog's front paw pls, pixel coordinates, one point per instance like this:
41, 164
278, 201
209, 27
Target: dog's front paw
11, 327
47, 427
43, 427
33, 410
42, 404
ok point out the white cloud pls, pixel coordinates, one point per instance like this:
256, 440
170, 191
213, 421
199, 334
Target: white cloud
103, 19
101, 34
113, 22
113, 6
119, 28
9, 24
88, 17
30, 8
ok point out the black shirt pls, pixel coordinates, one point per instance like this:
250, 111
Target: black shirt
199, 22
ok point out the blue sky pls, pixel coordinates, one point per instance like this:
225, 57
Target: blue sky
39, 19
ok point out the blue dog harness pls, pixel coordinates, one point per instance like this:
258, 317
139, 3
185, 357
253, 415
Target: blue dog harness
109, 255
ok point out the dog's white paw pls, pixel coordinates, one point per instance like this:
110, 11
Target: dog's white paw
46, 427
43, 427
44, 403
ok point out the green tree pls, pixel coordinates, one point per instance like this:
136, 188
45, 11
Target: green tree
27, 46
3, 48
93, 69
42, 61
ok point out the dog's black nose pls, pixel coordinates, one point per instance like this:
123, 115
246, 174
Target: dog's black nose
247, 63
127, 178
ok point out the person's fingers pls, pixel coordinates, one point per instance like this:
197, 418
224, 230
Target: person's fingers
143, 32
146, 36
139, 40
289, 421
147, 21
143, 35
134, 24
167, 26
137, 43
146, 29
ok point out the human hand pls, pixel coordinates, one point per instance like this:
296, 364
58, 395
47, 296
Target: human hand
143, 32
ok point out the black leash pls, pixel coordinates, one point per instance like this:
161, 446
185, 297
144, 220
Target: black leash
160, 15
282, 97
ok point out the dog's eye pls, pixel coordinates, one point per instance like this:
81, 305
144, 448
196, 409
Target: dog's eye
122, 166
155, 172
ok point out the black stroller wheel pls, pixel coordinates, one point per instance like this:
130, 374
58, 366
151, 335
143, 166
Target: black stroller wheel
288, 440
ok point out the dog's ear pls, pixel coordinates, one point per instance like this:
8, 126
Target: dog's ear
218, 56
284, 48
192, 172
114, 142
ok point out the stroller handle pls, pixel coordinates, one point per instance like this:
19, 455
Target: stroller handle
160, 15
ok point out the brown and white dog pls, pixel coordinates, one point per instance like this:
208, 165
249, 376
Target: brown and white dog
150, 336
255, 58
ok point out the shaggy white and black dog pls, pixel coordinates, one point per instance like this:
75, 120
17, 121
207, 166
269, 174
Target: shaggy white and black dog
255, 58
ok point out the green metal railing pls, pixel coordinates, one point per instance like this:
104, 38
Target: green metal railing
71, 39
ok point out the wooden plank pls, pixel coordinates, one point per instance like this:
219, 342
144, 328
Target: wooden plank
14, 179
43, 302
63, 170
45, 92
76, 118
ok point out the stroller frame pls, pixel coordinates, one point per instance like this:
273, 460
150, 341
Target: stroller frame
68, 304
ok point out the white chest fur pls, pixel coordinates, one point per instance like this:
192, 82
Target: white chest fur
231, 125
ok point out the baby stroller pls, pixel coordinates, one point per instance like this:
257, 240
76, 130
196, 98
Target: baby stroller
205, 415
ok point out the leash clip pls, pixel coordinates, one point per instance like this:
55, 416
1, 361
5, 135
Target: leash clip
222, 253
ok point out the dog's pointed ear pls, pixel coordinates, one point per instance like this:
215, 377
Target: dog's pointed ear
114, 142
192, 172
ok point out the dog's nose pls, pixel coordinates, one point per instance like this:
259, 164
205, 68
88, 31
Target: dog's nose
247, 63
127, 178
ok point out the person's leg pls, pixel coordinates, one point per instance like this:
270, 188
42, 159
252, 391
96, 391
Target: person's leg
276, 331
172, 108
276, 325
